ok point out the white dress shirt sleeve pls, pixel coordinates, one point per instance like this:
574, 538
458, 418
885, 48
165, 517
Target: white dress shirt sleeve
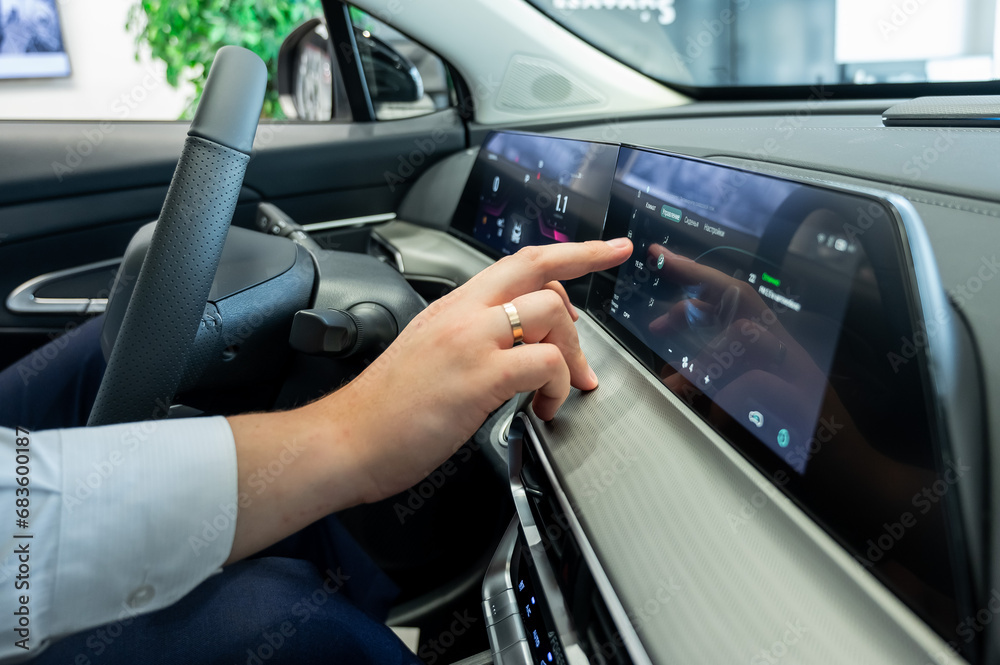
118, 521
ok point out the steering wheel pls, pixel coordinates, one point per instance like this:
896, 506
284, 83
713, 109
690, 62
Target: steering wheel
156, 337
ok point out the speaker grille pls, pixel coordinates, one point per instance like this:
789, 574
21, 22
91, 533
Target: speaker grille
532, 84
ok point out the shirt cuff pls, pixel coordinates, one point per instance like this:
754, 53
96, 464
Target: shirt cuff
149, 511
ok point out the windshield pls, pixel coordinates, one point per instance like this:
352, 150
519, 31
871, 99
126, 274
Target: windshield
725, 43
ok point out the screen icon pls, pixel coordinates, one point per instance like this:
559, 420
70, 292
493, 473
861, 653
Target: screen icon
783, 437
757, 418
671, 213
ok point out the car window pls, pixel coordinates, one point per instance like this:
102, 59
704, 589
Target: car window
729, 43
131, 60
404, 78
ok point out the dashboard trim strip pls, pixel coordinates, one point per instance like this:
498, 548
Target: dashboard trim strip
22, 300
349, 221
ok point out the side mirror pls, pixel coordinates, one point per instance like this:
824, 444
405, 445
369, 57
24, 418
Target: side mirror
309, 84
392, 77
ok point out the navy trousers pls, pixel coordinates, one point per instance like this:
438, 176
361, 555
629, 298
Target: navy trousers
315, 597
54, 386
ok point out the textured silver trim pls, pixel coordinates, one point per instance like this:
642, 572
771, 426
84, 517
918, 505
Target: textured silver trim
664, 516
618, 614
349, 221
22, 300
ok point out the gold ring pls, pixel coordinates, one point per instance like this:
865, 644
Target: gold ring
515, 322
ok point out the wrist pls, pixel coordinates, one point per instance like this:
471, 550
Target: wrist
337, 430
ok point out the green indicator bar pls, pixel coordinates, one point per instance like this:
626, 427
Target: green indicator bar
771, 280
671, 213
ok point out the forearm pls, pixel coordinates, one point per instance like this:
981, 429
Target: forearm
118, 521
293, 468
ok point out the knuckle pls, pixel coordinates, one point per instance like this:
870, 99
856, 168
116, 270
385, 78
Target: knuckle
551, 357
557, 287
531, 255
500, 386
552, 302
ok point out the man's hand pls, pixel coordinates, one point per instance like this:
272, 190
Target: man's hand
427, 394
455, 363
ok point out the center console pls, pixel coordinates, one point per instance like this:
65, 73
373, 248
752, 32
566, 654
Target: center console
797, 331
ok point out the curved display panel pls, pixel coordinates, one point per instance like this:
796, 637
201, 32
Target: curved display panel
786, 316
526, 189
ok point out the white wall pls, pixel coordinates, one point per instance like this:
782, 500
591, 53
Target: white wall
900, 30
106, 81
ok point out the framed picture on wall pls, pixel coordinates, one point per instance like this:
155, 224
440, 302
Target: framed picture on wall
31, 41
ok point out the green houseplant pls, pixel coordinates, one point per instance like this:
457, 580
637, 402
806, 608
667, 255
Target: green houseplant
185, 34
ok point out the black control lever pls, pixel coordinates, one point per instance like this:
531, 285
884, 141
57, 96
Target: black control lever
272, 220
337, 333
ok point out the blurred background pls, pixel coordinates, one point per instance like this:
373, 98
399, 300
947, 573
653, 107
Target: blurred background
146, 60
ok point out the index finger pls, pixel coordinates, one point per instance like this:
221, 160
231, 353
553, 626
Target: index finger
532, 268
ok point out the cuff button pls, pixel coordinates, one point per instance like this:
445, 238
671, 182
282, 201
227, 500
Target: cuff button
141, 596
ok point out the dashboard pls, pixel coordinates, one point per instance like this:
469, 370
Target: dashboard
789, 407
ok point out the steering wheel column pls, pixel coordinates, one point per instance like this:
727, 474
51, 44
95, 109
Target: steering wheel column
151, 349
200, 306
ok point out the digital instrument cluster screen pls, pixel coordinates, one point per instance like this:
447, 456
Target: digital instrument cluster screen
785, 315
535, 190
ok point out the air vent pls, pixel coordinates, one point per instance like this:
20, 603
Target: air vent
533, 84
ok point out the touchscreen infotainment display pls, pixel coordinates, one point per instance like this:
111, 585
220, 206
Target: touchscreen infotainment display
786, 316
535, 190
713, 290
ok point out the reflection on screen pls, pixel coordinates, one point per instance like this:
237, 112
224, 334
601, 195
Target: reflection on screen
713, 292
774, 310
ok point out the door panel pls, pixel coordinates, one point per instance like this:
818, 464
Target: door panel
73, 193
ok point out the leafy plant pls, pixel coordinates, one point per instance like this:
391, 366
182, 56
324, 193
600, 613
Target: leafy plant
185, 34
